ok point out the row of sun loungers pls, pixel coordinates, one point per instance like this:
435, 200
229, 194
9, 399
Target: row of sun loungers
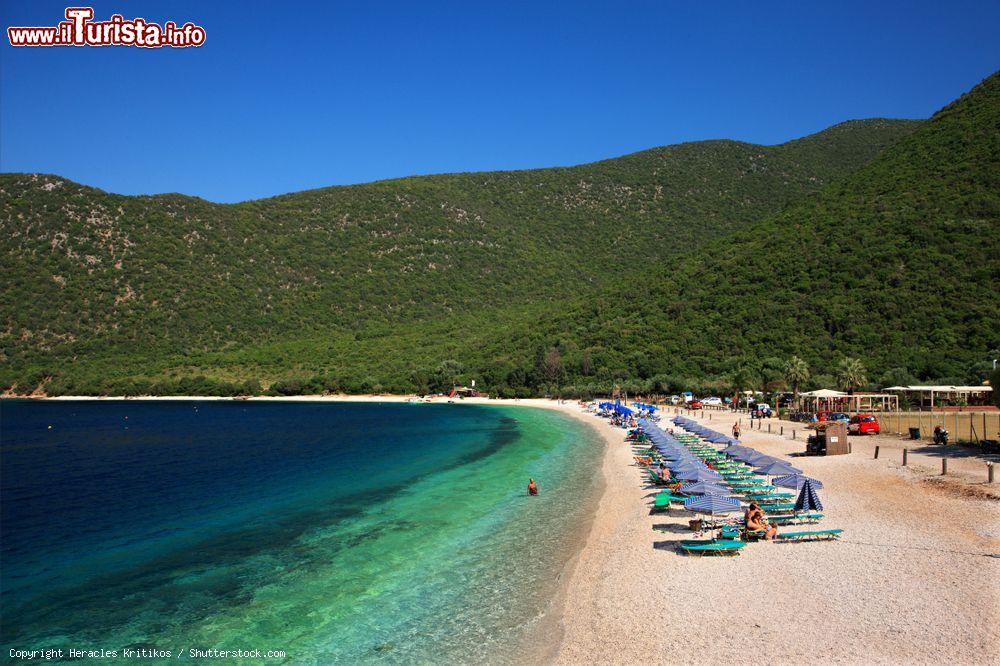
739, 479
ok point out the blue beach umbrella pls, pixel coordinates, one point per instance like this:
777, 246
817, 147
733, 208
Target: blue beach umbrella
777, 468
703, 488
796, 481
712, 504
808, 500
698, 475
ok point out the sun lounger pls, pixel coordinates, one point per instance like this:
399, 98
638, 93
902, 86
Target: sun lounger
814, 535
730, 532
716, 547
665, 498
796, 518
777, 507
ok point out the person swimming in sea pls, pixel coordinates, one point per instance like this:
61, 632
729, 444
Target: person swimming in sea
532, 487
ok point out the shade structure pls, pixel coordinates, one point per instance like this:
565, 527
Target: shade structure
808, 500
703, 488
760, 459
796, 481
712, 504
698, 475
777, 468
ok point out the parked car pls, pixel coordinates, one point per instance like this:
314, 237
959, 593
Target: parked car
695, 404
838, 416
713, 401
676, 400
863, 424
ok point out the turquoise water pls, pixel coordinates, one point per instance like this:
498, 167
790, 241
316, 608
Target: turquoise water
336, 533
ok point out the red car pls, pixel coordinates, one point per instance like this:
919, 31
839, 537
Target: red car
863, 424
695, 404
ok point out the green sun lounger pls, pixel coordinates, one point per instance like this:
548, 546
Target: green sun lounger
782, 507
796, 518
730, 532
716, 547
665, 498
814, 535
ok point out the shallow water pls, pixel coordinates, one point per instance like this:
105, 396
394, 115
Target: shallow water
345, 533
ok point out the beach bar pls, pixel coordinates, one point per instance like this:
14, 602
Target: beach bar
836, 401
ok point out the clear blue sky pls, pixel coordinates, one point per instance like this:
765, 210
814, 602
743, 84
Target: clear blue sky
287, 96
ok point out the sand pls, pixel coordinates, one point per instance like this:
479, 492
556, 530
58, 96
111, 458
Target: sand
913, 580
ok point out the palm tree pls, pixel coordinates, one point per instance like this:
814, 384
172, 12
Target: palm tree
851, 374
796, 372
742, 378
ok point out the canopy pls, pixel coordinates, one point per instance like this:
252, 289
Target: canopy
703, 488
712, 504
777, 468
796, 481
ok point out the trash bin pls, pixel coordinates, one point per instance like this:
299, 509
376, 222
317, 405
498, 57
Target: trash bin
914, 433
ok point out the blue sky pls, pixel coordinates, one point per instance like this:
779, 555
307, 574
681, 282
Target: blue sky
286, 96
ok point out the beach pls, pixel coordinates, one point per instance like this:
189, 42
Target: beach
914, 578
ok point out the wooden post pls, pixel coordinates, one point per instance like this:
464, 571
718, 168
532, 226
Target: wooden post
989, 472
905, 451
944, 466
768, 428
876, 452
782, 431
793, 434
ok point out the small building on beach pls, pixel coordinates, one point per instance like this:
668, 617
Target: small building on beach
931, 397
836, 401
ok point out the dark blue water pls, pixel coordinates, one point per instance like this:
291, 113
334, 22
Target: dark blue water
333, 532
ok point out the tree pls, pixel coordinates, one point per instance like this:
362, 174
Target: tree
898, 377
851, 374
447, 374
552, 366
743, 377
796, 372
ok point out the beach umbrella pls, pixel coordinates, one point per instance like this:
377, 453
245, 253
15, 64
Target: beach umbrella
808, 500
712, 505
703, 488
758, 459
796, 481
777, 468
703, 474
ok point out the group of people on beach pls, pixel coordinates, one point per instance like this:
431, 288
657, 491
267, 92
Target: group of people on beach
754, 521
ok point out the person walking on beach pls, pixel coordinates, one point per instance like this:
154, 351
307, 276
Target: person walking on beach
736, 430
532, 487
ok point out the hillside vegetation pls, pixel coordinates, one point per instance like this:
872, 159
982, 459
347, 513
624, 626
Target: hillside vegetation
698, 262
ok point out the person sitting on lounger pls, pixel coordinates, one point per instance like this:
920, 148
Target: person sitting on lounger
661, 472
755, 521
532, 487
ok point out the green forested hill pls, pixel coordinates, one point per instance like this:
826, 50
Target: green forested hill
708, 262
105, 291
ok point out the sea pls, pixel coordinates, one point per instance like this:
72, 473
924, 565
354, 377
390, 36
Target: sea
312, 532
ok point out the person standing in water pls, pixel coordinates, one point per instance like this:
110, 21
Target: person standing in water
532, 487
